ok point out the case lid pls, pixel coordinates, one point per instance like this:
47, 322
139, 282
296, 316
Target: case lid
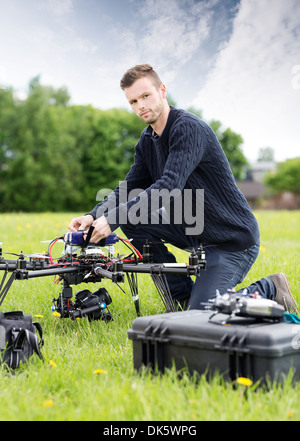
197, 328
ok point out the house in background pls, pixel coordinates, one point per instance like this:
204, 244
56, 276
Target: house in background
253, 192
259, 196
259, 169
252, 186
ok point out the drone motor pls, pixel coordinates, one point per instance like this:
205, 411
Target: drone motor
78, 238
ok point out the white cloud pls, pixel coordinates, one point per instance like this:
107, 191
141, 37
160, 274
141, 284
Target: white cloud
86, 46
250, 88
56, 7
296, 77
173, 32
165, 33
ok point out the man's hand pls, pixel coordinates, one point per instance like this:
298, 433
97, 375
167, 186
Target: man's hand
102, 229
81, 223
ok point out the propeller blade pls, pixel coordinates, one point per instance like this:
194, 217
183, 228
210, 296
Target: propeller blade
33, 255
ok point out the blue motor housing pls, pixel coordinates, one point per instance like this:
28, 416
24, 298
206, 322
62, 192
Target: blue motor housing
77, 239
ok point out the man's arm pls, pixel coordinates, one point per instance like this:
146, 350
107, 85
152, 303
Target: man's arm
187, 144
137, 177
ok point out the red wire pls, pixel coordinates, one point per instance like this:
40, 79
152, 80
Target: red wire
137, 251
50, 248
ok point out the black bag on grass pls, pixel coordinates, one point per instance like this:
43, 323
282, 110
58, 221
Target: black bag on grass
18, 339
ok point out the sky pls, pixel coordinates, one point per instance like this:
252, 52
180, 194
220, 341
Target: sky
238, 61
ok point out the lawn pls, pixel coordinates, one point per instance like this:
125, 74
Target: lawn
88, 370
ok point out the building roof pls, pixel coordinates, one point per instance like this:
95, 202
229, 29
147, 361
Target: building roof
263, 166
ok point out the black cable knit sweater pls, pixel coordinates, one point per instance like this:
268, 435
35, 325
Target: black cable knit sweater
187, 155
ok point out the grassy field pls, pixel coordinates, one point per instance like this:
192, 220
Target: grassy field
88, 371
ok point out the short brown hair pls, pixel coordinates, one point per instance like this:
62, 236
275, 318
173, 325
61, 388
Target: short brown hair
137, 72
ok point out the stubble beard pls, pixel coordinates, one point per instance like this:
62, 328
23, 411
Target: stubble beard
156, 113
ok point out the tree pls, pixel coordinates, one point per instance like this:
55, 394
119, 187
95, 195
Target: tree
7, 110
231, 143
286, 177
57, 157
108, 149
266, 154
37, 147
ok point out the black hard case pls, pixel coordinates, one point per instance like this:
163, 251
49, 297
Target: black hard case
195, 341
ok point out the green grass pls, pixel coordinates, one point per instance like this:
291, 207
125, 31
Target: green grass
88, 371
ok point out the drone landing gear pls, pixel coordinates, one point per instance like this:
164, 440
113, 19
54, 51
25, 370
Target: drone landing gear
4, 288
162, 286
133, 284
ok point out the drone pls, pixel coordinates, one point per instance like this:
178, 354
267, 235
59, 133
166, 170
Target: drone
241, 304
84, 262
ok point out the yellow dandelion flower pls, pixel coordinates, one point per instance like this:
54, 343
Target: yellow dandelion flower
39, 316
56, 314
52, 364
100, 371
244, 381
47, 403
262, 248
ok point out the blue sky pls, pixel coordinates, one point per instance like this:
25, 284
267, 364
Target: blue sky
238, 61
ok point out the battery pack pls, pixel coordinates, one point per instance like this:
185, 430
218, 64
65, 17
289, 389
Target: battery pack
196, 341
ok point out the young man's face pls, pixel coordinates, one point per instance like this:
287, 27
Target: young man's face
146, 100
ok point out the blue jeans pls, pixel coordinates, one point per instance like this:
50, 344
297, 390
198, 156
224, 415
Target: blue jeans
224, 269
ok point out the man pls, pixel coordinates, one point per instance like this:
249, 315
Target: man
177, 151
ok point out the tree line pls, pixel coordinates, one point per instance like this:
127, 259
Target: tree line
55, 156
